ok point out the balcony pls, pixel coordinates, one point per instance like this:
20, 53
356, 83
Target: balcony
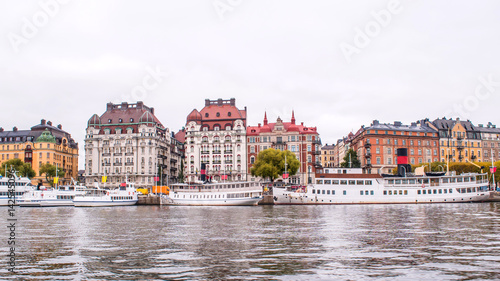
205, 152
129, 154
106, 164
368, 145
106, 154
317, 152
129, 164
368, 155
217, 161
117, 164
459, 137
216, 152
316, 141
228, 162
118, 154
173, 160
228, 151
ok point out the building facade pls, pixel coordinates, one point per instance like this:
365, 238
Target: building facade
303, 141
376, 145
328, 156
216, 137
42, 144
459, 140
128, 141
490, 141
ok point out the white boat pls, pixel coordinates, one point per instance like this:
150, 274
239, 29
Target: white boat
21, 184
215, 194
125, 195
376, 189
54, 197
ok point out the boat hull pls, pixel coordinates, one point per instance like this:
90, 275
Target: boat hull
215, 202
104, 203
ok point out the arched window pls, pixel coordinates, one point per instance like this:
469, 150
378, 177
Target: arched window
216, 127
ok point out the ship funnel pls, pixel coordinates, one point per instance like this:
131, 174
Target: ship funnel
203, 172
403, 166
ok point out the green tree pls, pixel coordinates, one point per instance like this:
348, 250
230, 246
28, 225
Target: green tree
21, 168
181, 172
270, 164
50, 172
351, 156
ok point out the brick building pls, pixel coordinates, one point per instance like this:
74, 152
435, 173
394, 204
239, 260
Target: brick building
376, 145
490, 141
302, 140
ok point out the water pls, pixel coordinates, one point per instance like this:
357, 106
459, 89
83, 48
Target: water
343, 242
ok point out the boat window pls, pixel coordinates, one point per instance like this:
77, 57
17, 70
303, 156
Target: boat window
333, 192
411, 181
361, 192
453, 180
328, 192
466, 179
424, 191
400, 192
323, 191
469, 190
460, 179
368, 182
385, 192
352, 182
343, 182
473, 178
345, 192
434, 191
359, 182
426, 181
319, 181
406, 192
405, 182
419, 192
335, 182
328, 181
390, 192
440, 191
391, 181
398, 181
445, 191
313, 191
445, 180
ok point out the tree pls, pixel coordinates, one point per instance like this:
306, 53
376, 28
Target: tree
50, 172
351, 157
270, 164
21, 168
180, 178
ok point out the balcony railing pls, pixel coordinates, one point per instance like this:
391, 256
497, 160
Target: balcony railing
216, 152
129, 163
106, 154
205, 152
228, 151
368, 144
217, 161
368, 155
228, 161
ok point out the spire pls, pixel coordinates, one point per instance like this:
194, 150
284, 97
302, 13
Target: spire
293, 117
265, 118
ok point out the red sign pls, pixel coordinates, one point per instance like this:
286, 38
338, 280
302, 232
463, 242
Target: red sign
123, 184
493, 170
157, 178
285, 176
224, 177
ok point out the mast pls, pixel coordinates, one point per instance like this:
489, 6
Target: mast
493, 170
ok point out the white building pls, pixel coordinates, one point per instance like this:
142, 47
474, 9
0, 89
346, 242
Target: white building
215, 136
128, 141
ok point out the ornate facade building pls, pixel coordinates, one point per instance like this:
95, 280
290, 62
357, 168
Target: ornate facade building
376, 145
129, 141
299, 139
328, 156
490, 141
41, 144
459, 140
215, 136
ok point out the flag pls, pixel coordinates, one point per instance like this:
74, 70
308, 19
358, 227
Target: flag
493, 170
56, 180
285, 176
123, 184
104, 179
224, 177
157, 178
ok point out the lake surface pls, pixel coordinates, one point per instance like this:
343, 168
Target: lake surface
341, 242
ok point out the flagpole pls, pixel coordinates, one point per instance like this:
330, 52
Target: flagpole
493, 170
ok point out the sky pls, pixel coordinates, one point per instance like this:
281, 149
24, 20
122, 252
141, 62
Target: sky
337, 64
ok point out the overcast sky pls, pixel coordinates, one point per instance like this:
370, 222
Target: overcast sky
338, 64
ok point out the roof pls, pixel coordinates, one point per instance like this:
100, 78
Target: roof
180, 136
489, 128
128, 113
328, 146
445, 124
287, 126
398, 126
36, 131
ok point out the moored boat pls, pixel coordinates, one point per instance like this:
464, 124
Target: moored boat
21, 184
54, 197
215, 194
125, 195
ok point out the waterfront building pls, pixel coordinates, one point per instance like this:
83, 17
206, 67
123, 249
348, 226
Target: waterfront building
459, 140
490, 141
302, 140
328, 156
216, 137
43, 143
376, 145
128, 140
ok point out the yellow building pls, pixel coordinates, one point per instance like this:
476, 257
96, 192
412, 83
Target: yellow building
328, 156
459, 140
41, 144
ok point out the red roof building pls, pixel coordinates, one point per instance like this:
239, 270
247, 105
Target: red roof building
302, 140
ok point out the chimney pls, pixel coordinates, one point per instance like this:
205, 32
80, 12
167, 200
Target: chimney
397, 123
219, 102
152, 110
375, 122
59, 127
403, 166
413, 124
232, 101
1, 129
259, 125
480, 125
42, 122
140, 104
14, 129
207, 102
109, 106
124, 105
49, 123
302, 123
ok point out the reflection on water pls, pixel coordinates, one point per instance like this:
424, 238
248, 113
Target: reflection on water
441, 241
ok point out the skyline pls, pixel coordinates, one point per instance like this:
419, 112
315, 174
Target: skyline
337, 65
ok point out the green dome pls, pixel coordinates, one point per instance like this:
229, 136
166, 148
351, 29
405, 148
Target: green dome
46, 136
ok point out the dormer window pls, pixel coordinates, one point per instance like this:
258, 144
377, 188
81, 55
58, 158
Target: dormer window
229, 114
206, 114
218, 114
120, 120
131, 120
109, 120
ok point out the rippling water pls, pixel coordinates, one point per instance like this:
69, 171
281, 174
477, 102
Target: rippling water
346, 242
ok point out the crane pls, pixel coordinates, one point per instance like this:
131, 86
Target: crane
480, 167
